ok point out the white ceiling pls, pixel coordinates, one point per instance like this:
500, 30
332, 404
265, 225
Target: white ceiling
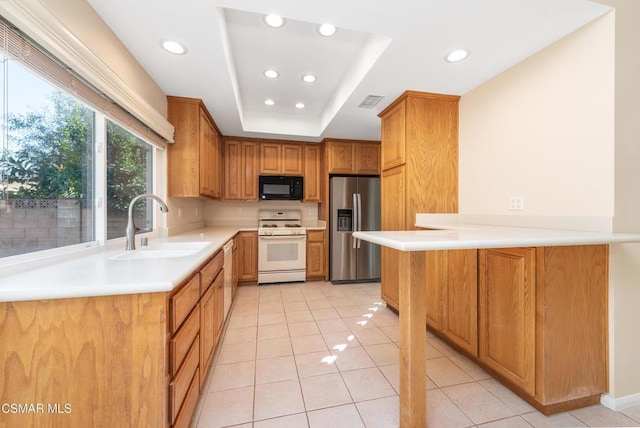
380, 48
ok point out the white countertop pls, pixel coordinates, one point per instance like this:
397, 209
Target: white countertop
456, 236
96, 273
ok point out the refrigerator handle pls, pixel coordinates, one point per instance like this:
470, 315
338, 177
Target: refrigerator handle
359, 216
356, 225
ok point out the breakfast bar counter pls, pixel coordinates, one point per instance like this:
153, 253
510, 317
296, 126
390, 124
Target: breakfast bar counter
412, 268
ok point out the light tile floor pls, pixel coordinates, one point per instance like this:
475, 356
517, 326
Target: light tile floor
322, 355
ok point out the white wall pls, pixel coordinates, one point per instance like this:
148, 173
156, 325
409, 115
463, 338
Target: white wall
562, 129
624, 296
544, 129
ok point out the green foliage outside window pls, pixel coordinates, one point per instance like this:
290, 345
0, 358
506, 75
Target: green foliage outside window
50, 152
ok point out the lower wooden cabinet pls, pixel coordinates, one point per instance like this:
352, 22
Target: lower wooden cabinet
248, 256
315, 254
543, 322
508, 314
452, 296
236, 269
535, 318
194, 336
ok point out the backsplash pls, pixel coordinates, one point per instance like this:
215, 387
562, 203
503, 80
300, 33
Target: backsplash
185, 214
245, 214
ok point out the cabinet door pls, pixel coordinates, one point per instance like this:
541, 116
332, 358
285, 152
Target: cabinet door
249, 173
208, 330
218, 285
341, 157
270, 157
248, 254
291, 159
208, 158
312, 173
394, 136
234, 277
217, 164
315, 254
367, 158
240, 171
233, 170
392, 189
508, 314
183, 155
460, 315
436, 288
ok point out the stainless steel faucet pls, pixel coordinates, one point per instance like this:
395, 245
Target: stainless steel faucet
131, 227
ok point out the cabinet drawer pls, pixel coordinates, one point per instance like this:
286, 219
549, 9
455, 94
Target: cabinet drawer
183, 301
315, 235
211, 270
189, 405
180, 344
180, 386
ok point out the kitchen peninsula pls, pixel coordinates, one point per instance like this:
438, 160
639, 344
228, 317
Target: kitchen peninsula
569, 265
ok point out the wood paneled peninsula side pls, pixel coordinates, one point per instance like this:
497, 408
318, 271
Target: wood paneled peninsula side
542, 328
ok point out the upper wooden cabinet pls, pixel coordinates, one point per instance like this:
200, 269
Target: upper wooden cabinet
195, 158
353, 157
312, 154
419, 168
281, 158
240, 170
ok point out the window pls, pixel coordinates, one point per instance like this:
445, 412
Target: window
129, 173
52, 165
46, 165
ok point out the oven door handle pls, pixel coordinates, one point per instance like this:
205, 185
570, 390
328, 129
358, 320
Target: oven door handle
281, 237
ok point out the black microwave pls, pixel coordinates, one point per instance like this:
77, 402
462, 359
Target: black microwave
280, 188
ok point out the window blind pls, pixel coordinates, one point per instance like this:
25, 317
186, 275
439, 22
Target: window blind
16, 46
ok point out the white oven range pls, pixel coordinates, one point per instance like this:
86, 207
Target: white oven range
282, 246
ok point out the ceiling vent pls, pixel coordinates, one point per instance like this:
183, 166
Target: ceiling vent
370, 101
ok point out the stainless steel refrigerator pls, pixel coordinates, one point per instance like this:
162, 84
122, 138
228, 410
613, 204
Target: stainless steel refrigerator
354, 205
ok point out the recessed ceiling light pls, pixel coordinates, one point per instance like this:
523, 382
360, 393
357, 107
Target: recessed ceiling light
309, 78
271, 74
300, 105
457, 55
275, 21
269, 102
173, 47
327, 30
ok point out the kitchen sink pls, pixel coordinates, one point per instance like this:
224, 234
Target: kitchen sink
165, 250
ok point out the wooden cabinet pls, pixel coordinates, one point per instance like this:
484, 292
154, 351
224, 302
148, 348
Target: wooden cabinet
315, 254
195, 157
459, 291
211, 276
392, 189
353, 157
543, 322
508, 314
240, 170
248, 255
419, 170
367, 158
312, 154
236, 269
281, 158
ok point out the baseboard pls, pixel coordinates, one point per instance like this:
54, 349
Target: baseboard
621, 403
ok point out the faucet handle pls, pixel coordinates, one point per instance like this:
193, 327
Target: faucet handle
144, 241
